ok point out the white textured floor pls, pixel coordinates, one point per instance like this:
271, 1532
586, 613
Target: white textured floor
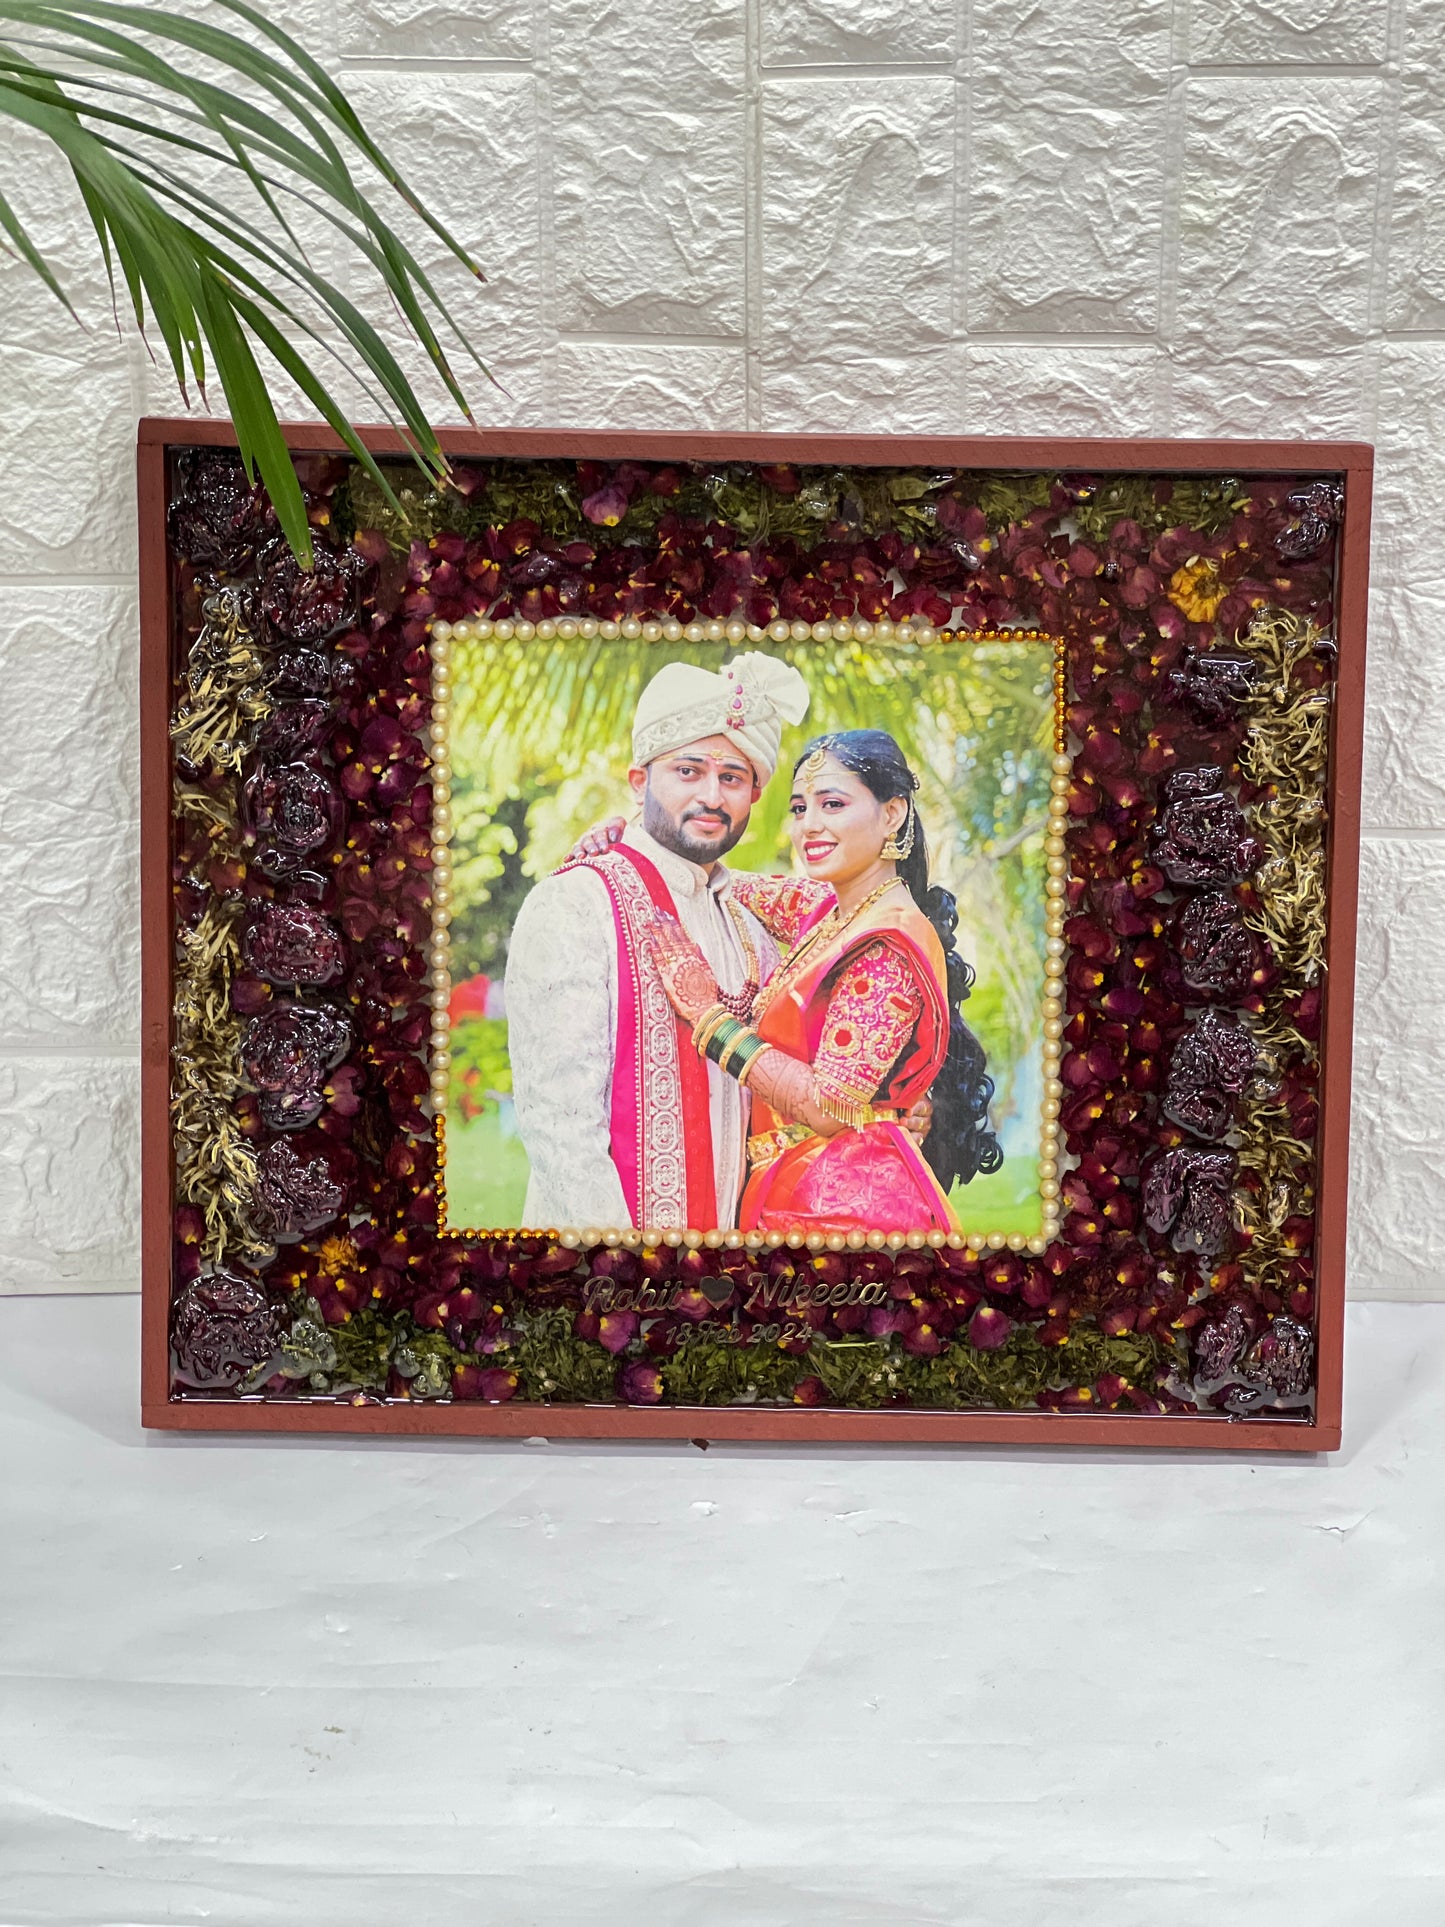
339, 1685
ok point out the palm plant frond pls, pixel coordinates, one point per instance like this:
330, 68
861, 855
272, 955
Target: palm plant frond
96, 78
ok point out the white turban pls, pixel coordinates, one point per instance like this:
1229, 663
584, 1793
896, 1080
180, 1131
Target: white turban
748, 699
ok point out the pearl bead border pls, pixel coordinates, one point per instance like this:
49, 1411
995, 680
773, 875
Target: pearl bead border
442, 636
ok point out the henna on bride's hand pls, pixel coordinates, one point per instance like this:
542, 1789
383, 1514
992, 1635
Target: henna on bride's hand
787, 1083
690, 985
918, 1120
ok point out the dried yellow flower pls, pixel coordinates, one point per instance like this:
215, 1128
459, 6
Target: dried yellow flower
337, 1254
1196, 590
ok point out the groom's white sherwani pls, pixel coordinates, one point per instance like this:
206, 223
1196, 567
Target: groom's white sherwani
561, 991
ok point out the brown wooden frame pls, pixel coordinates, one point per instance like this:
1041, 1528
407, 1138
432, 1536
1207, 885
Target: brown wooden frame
1353, 460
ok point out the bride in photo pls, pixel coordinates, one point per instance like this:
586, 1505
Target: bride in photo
860, 1022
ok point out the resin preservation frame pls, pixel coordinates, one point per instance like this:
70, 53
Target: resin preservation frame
1211, 600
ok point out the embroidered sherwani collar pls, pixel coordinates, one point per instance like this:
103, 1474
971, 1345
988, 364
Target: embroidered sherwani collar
681, 877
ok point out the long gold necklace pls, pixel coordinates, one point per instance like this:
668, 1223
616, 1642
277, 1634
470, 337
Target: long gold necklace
824, 931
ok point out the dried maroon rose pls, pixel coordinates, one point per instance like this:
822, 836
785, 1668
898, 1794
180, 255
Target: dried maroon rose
286, 1054
294, 1194
293, 728
291, 810
1314, 511
1201, 836
300, 672
1219, 1344
1212, 681
1325, 498
1218, 952
222, 1328
307, 605
1188, 1198
1282, 1358
219, 517
1210, 1066
290, 943
1305, 536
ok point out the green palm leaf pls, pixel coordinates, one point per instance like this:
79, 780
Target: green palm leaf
97, 78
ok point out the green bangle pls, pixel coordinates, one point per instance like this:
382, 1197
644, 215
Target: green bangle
740, 1052
720, 1037
710, 1020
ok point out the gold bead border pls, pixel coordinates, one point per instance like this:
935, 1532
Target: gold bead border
442, 635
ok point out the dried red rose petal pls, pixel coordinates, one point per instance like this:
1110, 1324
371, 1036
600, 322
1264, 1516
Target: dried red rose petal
606, 505
290, 943
781, 476
1188, 1197
640, 1383
222, 1328
988, 1328
1202, 836
927, 1332
1210, 1066
489, 1383
295, 1194
616, 1330
1218, 953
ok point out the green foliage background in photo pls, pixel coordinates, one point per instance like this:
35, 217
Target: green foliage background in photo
541, 737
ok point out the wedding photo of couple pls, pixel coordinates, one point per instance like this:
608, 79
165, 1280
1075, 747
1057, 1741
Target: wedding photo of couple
683, 1036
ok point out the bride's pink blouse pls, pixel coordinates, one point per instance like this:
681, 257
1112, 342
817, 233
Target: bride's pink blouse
873, 1005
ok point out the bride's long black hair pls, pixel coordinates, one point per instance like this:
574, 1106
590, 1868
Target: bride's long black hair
960, 1144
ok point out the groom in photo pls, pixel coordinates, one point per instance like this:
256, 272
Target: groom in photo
623, 1122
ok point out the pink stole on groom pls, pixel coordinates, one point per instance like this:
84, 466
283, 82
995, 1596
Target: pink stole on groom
661, 1118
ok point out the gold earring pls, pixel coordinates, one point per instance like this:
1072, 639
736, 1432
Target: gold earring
894, 850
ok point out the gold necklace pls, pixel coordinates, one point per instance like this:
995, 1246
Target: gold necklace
829, 927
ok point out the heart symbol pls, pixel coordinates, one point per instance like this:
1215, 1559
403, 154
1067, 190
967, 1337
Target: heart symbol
717, 1291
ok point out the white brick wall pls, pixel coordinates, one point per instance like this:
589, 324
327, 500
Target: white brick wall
1220, 217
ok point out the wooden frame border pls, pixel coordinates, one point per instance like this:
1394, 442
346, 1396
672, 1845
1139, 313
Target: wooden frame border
1352, 460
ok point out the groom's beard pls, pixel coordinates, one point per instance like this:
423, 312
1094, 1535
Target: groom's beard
672, 832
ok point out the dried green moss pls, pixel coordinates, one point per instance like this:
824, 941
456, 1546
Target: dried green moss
853, 502
555, 1367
